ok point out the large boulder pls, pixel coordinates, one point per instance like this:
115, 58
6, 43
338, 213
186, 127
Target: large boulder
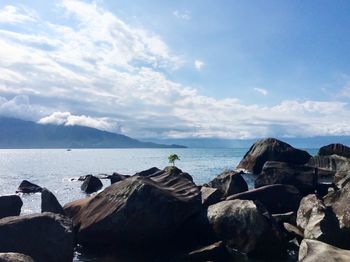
229, 183
246, 226
328, 165
335, 149
317, 221
313, 250
91, 184
302, 177
210, 196
27, 187
10, 206
138, 211
49, 203
271, 149
116, 177
276, 198
14, 257
44, 237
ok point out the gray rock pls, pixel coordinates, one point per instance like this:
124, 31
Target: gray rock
229, 183
44, 237
14, 257
210, 196
49, 203
330, 164
216, 252
10, 206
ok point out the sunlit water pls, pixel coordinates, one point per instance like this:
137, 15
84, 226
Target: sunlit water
55, 168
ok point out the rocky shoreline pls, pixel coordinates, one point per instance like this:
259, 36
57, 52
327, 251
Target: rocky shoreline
298, 210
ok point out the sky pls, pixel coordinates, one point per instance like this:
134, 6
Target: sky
178, 69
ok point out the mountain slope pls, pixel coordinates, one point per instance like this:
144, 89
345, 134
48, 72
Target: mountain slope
15, 133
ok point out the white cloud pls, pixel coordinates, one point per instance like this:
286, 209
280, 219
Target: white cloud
96, 70
14, 15
185, 15
261, 91
198, 64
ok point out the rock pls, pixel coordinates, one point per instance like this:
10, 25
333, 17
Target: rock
49, 203
271, 149
10, 206
276, 198
289, 217
116, 177
331, 164
229, 183
246, 226
138, 211
44, 237
216, 252
317, 221
148, 172
293, 230
27, 187
14, 257
341, 178
91, 184
210, 196
313, 250
302, 177
335, 149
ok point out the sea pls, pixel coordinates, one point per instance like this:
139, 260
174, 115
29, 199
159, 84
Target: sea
58, 169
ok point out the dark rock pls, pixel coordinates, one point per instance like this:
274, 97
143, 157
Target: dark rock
49, 203
276, 198
10, 206
44, 237
229, 183
138, 211
148, 172
91, 184
116, 177
27, 187
82, 178
329, 165
271, 149
302, 177
323, 189
313, 250
289, 217
317, 221
216, 252
14, 257
246, 226
335, 149
295, 231
210, 196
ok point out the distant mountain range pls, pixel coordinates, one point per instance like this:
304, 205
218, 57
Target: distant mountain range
15, 133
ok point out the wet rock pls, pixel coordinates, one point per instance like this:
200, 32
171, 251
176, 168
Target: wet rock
271, 149
276, 198
10, 206
138, 211
91, 184
27, 187
335, 149
49, 203
44, 237
246, 226
14, 257
229, 183
216, 252
210, 196
302, 177
313, 250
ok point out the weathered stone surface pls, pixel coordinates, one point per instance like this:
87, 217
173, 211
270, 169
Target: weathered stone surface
302, 177
229, 183
341, 178
317, 251
138, 211
246, 226
44, 237
276, 198
10, 206
27, 187
15, 257
331, 164
317, 221
91, 184
210, 196
217, 252
335, 149
49, 203
116, 177
271, 149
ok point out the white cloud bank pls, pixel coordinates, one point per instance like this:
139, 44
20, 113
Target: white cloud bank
96, 70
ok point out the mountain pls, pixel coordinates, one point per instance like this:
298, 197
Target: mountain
16, 133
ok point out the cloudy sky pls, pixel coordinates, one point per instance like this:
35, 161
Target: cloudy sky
170, 69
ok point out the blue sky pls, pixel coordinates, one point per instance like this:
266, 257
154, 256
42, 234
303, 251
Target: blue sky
231, 69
